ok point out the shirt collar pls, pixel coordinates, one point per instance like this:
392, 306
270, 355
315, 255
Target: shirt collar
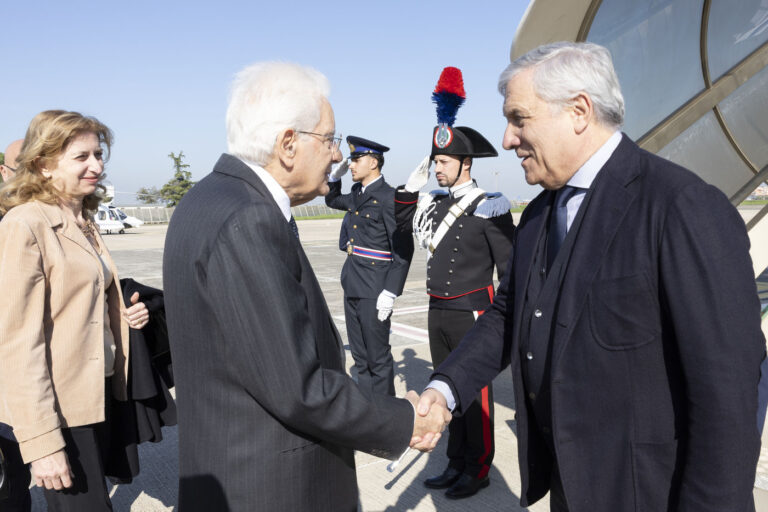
278, 194
461, 190
371, 183
587, 172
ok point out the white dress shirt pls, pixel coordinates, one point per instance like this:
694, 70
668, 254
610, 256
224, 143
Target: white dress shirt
279, 195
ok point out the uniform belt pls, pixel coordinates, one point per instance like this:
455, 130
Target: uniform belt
365, 252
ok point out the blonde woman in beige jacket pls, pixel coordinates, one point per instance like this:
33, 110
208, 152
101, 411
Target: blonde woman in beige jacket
63, 326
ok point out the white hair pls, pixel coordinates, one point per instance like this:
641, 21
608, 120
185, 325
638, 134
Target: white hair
267, 98
563, 70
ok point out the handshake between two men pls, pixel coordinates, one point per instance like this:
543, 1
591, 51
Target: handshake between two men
431, 418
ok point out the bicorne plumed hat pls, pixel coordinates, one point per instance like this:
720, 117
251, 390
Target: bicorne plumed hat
447, 139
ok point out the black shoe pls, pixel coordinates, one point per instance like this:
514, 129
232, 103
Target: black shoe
466, 486
447, 479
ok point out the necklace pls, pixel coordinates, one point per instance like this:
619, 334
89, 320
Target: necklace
89, 231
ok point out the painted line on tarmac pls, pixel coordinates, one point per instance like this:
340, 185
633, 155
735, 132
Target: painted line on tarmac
404, 330
410, 332
411, 310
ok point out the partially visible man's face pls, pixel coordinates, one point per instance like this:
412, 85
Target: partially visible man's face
314, 156
8, 169
541, 135
362, 167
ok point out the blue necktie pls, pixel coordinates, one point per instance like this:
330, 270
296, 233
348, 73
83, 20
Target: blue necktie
294, 227
558, 223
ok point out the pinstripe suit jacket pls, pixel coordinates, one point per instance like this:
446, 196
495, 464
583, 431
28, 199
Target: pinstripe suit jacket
268, 420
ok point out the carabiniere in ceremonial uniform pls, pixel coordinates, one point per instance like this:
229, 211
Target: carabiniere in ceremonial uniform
373, 274
467, 232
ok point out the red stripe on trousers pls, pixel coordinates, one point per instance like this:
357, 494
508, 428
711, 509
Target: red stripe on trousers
486, 414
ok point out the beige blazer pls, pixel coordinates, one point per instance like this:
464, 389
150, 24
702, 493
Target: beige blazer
51, 328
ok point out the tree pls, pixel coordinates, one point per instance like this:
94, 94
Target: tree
172, 192
148, 195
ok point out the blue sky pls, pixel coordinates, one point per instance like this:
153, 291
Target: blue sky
158, 74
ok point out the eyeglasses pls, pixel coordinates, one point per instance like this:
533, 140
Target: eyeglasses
333, 141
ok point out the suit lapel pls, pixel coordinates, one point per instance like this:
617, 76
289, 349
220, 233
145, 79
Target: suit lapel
67, 228
234, 167
606, 208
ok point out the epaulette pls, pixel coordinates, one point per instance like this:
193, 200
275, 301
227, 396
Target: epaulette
494, 205
438, 192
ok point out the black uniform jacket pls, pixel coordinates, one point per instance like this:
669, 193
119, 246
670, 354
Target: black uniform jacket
655, 349
460, 271
369, 224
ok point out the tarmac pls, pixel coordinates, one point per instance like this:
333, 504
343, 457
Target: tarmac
138, 254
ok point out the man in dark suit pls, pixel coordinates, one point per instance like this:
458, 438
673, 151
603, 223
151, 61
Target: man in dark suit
268, 419
374, 274
629, 313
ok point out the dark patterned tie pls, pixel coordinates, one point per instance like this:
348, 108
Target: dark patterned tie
294, 227
558, 223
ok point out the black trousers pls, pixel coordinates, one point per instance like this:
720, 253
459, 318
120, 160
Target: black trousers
19, 499
470, 436
87, 448
369, 344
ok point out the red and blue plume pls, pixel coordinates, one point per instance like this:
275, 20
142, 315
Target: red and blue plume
449, 95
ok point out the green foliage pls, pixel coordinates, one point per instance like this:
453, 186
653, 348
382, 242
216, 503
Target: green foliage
172, 192
2, 158
148, 195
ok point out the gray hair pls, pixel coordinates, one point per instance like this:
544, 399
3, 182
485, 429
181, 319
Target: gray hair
564, 69
267, 98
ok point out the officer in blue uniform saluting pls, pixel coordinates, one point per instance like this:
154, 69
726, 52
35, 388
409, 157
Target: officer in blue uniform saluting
373, 274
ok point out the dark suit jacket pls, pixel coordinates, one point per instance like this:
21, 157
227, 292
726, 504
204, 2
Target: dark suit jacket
655, 351
369, 223
268, 419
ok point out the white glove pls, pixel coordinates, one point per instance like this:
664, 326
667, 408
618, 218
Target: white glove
419, 176
340, 170
384, 304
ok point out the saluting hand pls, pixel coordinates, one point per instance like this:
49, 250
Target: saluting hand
340, 170
419, 176
137, 316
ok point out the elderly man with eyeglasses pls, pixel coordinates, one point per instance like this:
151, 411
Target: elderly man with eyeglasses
268, 418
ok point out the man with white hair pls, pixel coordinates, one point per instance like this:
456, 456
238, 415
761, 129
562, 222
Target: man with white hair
629, 313
268, 419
